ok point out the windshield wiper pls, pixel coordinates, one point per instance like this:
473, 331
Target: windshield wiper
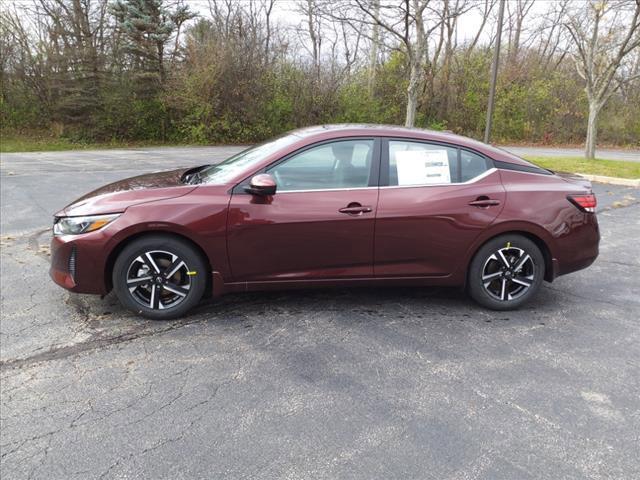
194, 176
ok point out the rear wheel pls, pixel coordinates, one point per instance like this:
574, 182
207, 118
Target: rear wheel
159, 277
506, 272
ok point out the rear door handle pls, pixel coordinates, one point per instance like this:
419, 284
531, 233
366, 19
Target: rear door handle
355, 209
486, 202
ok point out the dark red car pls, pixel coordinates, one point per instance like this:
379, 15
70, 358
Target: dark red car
326, 206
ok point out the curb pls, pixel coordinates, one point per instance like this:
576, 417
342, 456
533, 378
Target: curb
626, 182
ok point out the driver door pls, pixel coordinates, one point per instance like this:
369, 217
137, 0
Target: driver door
320, 222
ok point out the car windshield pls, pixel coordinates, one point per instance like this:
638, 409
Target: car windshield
224, 171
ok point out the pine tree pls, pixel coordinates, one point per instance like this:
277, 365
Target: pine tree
148, 27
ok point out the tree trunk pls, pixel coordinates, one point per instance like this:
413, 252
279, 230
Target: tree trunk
412, 94
373, 55
416, 55
592, 130
494, 74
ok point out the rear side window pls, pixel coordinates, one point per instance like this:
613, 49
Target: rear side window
472, 165
414, 163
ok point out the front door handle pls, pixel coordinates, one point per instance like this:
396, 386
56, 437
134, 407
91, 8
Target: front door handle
484, 202
355, 209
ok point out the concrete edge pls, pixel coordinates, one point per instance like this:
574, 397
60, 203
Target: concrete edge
626, 182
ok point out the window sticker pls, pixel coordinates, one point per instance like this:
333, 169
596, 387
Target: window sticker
422, 167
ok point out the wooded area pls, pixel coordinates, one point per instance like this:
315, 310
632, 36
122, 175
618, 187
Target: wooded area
242, 71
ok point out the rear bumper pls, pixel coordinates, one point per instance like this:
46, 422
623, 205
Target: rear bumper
580, 248
576, 265
77, 263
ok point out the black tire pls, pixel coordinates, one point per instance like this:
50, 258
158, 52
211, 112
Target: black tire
144, 266
495, 285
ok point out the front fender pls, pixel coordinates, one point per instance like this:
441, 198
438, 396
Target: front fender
200, 218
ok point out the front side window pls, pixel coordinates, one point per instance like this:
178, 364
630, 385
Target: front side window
341, 164
419, 163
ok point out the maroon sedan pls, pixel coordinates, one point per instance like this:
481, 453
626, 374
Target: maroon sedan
330, 206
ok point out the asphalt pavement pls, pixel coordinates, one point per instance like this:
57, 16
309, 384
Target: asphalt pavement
346, 383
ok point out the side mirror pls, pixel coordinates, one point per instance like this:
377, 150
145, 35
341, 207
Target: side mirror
262, 184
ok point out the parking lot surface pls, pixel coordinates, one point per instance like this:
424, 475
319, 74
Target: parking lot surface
369, 383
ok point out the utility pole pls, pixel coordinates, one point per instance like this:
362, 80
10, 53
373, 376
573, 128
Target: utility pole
494, 74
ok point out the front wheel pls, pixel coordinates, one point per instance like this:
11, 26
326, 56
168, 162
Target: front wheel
506, 272
159, 277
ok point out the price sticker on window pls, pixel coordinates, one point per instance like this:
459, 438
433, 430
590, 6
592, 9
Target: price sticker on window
422, 167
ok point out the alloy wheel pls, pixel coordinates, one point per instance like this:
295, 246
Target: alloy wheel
158, 279
508, 273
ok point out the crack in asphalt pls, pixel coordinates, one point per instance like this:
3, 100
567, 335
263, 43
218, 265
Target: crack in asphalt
99, 342
34, 243
93, 343
49, 435
624, 264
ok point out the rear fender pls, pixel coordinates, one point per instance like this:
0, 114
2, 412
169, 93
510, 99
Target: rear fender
517, 227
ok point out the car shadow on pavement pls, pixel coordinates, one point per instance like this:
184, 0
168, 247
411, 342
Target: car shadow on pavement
397, 303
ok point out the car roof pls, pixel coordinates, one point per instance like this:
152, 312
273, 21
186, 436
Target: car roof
329, 131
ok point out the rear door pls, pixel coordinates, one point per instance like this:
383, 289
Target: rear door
434, 201
320, 222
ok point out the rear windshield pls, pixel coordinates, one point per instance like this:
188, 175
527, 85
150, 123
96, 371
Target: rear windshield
528, 166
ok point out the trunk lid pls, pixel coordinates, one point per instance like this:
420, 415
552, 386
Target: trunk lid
576, 180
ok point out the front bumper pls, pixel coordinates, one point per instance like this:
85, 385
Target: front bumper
78, 262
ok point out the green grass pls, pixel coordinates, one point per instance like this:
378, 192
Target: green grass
10, 143
609, 168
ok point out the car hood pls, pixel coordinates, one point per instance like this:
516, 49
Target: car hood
117, 196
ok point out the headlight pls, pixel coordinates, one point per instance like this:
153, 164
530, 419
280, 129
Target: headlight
76, 225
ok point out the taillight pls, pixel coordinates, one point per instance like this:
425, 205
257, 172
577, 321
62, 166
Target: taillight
586, 203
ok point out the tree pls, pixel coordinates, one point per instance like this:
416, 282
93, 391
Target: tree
148, 27
550, 33
407, 27
494, 73
450, 13
484, 9
74, 49
137, 70
373, 52
310, 9
605, 33
516, 26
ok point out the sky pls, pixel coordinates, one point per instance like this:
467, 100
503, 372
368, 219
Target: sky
285, 11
